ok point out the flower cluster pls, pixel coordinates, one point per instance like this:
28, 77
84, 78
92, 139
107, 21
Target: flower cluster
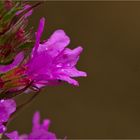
28, 64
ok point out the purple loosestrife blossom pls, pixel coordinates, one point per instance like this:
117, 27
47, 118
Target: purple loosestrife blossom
47, 63
39, 131
50, 61
7, 107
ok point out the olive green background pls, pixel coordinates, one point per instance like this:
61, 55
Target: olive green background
107, 102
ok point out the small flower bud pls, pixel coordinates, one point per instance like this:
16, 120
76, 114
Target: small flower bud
8, 4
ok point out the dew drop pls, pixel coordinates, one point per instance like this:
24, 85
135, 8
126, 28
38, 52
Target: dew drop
59, 66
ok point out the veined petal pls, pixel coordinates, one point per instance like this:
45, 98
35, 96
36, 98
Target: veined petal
55, 44
73, 72
69, 80
38, 35
69, 57
39, 64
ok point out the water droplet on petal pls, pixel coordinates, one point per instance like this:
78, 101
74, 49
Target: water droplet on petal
59, 66
2, 100
68, 65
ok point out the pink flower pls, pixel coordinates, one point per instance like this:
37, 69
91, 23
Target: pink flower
39, 131
50, 61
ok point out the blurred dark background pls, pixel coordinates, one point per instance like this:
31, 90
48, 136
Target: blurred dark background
107, 102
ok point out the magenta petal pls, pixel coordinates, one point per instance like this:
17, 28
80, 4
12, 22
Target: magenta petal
39, 64
73, 72
18, 59
46, 124
40, 131
26, 7
13, 135
47, 82
7, 107
36, 121
38, 36
2, 128
69, 80
24, 137
69, 57
10, 105
55, 44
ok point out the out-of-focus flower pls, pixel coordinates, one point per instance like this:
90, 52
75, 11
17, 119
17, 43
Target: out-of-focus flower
7, 107
39, 131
